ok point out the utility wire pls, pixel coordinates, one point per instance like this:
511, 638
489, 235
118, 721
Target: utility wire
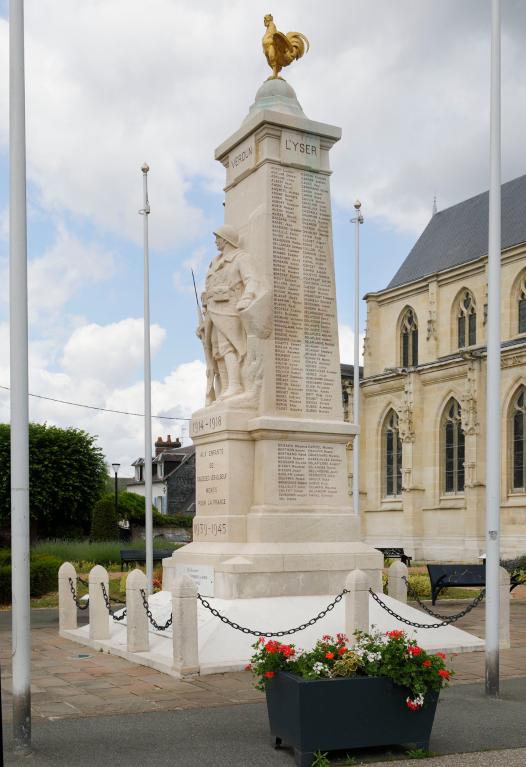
103, 409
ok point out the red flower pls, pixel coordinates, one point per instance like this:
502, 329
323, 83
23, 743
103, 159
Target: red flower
272, 646
269, 674
443, 673
414, 650
426, 663
342, 650
286, 650
440, 655
248, 668
329, 655
395, 634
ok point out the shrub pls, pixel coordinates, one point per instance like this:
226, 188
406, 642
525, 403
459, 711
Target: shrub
43, 574
66, 477
132, 507
104, 522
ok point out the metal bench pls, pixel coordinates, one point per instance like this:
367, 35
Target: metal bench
139, 555
395, 553
451, 576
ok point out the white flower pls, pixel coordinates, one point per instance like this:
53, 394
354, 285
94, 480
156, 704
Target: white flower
320, 669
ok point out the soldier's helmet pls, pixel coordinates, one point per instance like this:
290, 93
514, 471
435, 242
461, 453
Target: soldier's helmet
228, 233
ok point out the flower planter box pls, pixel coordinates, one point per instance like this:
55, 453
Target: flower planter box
337, 714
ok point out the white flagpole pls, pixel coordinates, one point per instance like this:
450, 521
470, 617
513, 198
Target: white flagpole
493, 409
21, 637
148, 532
356, 374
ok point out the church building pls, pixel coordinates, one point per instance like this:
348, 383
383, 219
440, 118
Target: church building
424, 383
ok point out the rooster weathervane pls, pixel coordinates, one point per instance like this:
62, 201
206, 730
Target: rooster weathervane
281, 50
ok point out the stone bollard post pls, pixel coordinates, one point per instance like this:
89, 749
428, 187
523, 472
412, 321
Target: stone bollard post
99, 619
136, 618
184, 626
396, 587
356, 604
504, 609
67, 607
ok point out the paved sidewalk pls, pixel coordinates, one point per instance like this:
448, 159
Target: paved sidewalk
466, 721
77, 691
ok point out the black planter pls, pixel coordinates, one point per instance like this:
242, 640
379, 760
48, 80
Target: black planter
336, 714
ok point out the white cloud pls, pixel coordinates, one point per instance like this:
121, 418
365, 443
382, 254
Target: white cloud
346, 339
109, 86
68, 265
109, 353
182, 279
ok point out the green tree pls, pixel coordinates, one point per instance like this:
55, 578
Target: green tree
66, 478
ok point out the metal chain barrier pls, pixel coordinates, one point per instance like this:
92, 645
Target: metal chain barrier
444, 622
80, 605
269, 634
414, 596
150, 616
106, 599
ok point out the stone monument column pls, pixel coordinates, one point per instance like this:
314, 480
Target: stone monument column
272, 507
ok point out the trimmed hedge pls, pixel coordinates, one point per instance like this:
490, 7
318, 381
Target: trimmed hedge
104, 521
42, 578
132, 507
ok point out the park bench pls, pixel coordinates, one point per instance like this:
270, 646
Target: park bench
448, 576
395, 553
139, 555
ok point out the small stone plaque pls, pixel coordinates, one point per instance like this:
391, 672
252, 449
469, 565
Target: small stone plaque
241, 160
202, 575
300, 149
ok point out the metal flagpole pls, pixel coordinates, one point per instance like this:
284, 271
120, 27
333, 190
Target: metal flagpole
21, 636
147, 393
356, 373
493, 410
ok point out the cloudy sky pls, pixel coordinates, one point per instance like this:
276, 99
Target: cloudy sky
112, 83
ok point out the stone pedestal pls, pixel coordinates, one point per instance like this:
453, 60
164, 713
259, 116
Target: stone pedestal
272, 507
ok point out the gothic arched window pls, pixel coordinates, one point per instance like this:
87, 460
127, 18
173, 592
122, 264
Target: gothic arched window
409, 339
518, 440
466, 321
453, 448
522, 305
392, 456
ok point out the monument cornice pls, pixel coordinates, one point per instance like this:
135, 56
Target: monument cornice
331, 133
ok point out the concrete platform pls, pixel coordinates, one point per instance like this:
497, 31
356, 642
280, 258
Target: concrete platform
222, 648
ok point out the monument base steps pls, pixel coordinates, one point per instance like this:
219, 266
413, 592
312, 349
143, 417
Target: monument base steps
222, 648
253, 570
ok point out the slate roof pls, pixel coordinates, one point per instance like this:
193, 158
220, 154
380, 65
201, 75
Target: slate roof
459, 234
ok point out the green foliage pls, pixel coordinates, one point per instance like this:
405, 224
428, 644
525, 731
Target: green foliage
66, 477
85, 554
418, 753
350, 761
347, 665
320, 760
132, 507
104, 520
516, 567
42, 579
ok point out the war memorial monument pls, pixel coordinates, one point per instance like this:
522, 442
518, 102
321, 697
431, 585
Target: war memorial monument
275, 542
272, 506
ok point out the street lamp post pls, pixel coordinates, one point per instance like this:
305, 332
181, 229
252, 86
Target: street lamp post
116, 467
357, 220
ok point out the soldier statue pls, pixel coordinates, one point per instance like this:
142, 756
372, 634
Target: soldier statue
231, 287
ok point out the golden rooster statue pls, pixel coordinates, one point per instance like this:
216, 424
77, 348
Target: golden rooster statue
281, 50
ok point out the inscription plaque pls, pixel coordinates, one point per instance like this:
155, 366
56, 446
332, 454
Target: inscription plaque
308, 472
306, 353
